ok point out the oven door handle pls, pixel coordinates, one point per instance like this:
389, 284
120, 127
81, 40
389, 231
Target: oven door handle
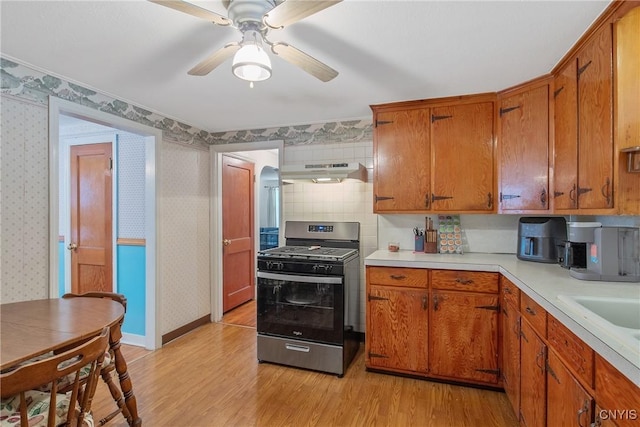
333, 280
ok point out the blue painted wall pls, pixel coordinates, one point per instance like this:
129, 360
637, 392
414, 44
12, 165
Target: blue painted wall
131, 282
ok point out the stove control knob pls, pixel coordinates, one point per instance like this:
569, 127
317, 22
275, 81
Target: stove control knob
279, 266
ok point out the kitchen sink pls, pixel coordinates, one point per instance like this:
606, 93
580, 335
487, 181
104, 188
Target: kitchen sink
620, 316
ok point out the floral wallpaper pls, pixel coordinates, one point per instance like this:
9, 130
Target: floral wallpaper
24, 82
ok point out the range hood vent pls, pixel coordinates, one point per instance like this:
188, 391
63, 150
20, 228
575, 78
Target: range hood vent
323, 172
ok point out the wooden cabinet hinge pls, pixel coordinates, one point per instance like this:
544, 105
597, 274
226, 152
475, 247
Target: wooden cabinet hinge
374, 355
379, 198
583, 68
495, 372
508, 109
488, 307
435, 118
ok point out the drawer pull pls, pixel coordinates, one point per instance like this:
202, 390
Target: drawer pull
398, 277
530, 311
464, 281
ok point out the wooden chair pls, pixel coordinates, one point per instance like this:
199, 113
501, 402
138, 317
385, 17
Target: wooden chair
110, 361
22, 404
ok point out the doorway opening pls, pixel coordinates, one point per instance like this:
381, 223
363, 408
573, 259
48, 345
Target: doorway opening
93, 127
267, 154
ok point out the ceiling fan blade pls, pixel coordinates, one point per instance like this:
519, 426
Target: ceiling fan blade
307, 63
290, 11
194, 10
215, 59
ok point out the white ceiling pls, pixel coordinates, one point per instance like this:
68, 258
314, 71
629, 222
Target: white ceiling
385, 51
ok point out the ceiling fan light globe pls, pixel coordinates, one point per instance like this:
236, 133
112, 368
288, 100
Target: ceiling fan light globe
251, 63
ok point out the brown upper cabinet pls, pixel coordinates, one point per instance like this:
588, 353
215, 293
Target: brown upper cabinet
551, 145
584, 154
401, 153
427, 152
523, 182
627, 107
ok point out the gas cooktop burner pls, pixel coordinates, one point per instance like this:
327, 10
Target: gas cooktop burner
309, 252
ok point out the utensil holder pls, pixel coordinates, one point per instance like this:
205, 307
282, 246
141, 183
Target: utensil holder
419, 243
431, 242
431, 247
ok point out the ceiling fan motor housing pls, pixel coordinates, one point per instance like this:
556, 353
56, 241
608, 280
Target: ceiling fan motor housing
248, 14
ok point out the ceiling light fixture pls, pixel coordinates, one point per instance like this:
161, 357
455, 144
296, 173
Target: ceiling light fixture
251, 62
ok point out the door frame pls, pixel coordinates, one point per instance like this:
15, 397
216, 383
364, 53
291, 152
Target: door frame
153, 140
215, 154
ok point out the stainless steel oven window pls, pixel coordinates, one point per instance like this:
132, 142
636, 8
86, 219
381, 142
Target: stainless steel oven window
304, 307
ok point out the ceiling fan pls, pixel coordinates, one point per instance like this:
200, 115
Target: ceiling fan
254, 19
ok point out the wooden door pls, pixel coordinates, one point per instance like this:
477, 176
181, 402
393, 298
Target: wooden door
237, 232
511, 354
397, 329
462, 157
567, 402
91, 239
565, 163
524, 150
533, 354
463, 336
401, 156
595, 128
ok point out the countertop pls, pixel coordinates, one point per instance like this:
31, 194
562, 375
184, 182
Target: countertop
543, 283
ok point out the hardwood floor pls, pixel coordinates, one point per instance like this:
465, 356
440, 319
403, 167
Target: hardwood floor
244, 315
210, 377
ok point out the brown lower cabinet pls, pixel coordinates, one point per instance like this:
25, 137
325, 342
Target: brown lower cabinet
444, 324
463, 336
397, 329
568, 403
449, 334
533, 354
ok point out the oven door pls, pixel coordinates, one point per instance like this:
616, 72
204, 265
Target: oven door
304, 307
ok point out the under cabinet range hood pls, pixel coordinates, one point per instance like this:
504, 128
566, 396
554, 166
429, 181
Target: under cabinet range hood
323, 172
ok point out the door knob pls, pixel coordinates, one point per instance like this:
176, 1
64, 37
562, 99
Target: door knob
226, 242
72, 246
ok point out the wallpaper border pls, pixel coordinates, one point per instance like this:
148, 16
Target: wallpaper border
24, 82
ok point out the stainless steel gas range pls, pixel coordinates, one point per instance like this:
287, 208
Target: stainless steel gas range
308, 297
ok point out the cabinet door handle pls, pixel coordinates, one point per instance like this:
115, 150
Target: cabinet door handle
424, 302
543, 197
572, 195
518, 331
489, 200
530, 311
426, 200
606, 193
464, 281
507, 290
398, 277
540, 360
436, 302
584, 409
377, 298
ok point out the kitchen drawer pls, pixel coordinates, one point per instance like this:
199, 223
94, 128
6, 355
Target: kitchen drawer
398, 276
577, 355
472, 281
510, 292
534, 313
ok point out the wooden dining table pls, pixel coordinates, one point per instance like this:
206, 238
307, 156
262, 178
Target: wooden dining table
32, 328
